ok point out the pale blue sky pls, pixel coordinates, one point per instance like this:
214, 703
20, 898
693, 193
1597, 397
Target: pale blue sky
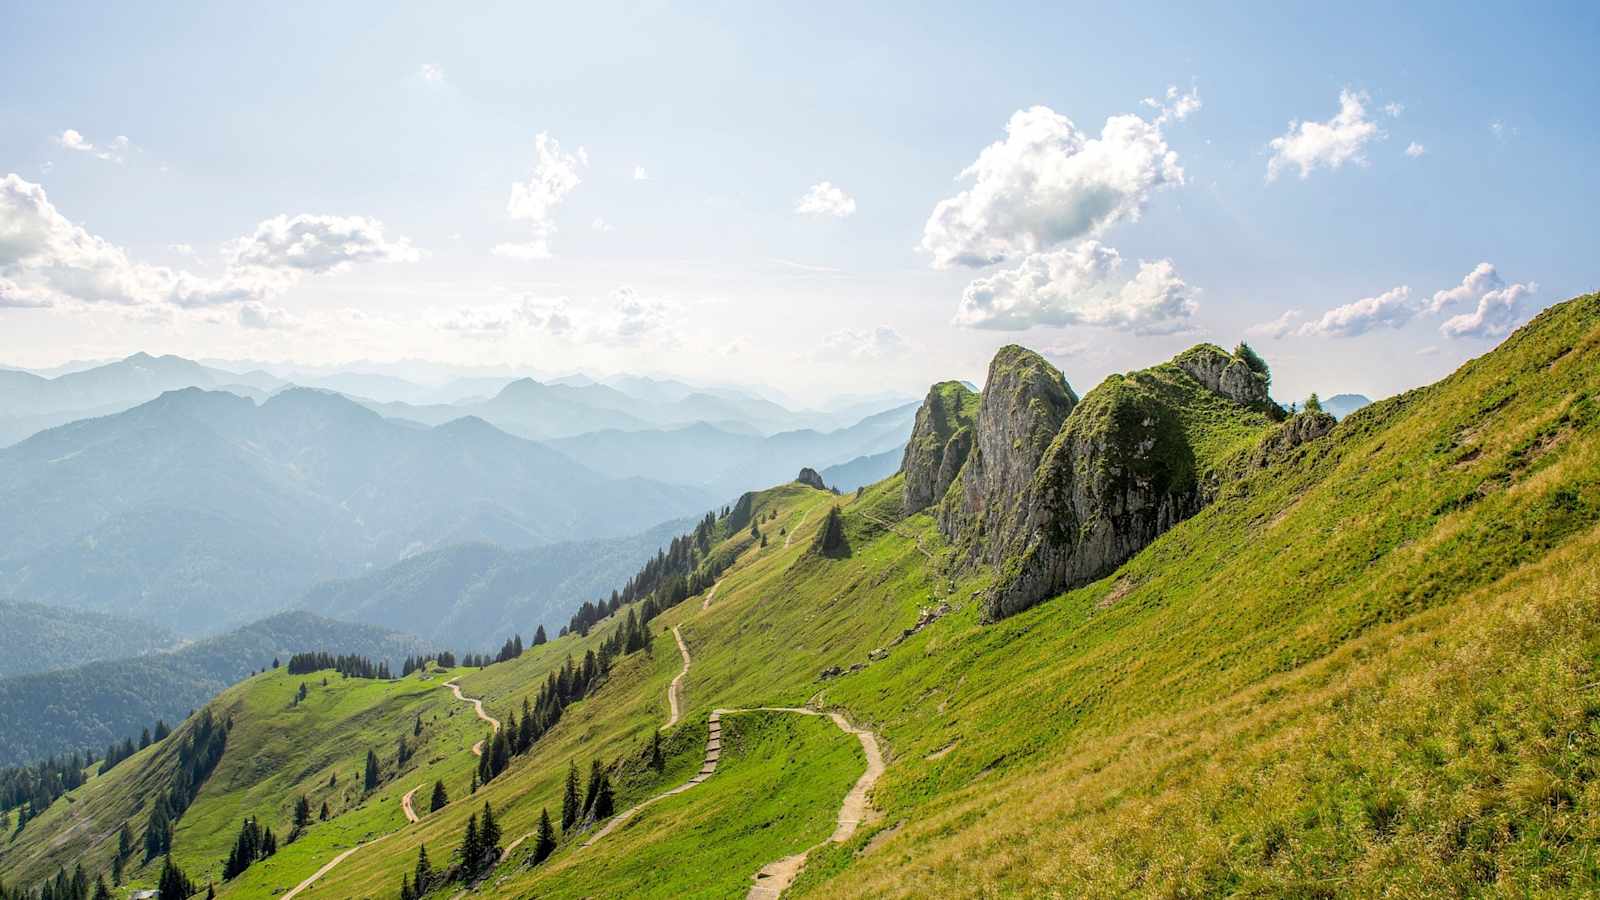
237, 114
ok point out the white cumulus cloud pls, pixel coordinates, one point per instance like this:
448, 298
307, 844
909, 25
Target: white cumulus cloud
1415, 149
1496, 305
1280, 327
45, 259
431, 72
1391, 309
1047, 183
1342, 139
115, 151
1496, 308
826, 199
535, 201
318, 244
1079, 285
639, 174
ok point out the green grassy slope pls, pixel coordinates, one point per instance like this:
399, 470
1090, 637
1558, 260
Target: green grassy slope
1369, 667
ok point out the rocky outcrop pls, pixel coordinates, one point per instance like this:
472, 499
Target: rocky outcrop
939, 444
1281, 442
1024, 402
1120, 473
809, 476
1056, 493
1226, 374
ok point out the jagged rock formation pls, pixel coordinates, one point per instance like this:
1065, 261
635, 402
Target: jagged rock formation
1024, 402
1230, 375
811, 477
1057, 492
939, 444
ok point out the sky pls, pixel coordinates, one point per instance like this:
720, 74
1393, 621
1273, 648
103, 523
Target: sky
821, 198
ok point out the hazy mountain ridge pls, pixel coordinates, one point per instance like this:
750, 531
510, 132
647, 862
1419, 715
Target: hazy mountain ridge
476, 595
89, 706
257, 503
37, 638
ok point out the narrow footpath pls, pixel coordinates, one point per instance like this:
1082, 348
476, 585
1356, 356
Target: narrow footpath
775, 877
477, 706
675, 690
405, 802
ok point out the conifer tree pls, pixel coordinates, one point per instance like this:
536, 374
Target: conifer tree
423, 878
116, 870
1313, 403
830, 540
544, 843
593, 789
124, 841
158, 832
371, 781
569, 800
539, 637
323, 816
440, 798
657, 760
471, 850
302, 812
101, 892
489, 832
174, 885
604, 802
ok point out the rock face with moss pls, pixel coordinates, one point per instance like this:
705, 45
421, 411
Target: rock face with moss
1024, 402
1240, 376
1059, 493
810, 476
939, 444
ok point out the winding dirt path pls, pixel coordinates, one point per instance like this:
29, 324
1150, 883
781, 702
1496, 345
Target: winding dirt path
405, 802
790, 535
477, 705
328, 867
896, 529
675, 690
709, 594
774, 877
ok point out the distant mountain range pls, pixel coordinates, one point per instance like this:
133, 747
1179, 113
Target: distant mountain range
474, 596
1341, 405
728, 464
201, 510
571, 405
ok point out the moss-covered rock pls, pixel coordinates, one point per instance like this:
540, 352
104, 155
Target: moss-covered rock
1233, 376
1024, 402
1057, 493
939, 444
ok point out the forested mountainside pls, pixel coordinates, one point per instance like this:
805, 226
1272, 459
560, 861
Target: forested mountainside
474, 595
199, 510
37, 638
90, 706
1161, 638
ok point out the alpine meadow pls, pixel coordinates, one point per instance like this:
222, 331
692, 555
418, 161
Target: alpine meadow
883, 452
